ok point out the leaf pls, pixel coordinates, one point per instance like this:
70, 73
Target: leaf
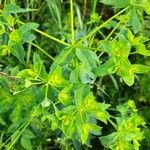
26, 143
15, 37
27, 36
100, 112
18, 51
135, 21
88, 60
124, 46
28, 26
85, 57
13, 127
27, 73
2, 29
129, 80
140, 49
54, 121
138, 68
27, 133
45, 103
67, 120
123, 67
56, 79
85, 74
81, 92
4, 82
62, 59
86, 129
13, 9
5, 50
116, 3
109, 140
2, 122
15, 137
102, 116
28, 83
64, 96
39, 67
103, 69
146, 5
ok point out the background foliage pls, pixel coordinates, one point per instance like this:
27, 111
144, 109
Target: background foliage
74, 74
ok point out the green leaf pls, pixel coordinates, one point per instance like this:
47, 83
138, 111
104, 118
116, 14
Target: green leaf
13, 9
18, 51
146, 5
28, 26
15, 37
116, 3
67, 120
54, 121
86, 129
28, 83
85, 74
99, 111
2, 29
102, 116
27, 73
56, 79
27, 36
13, 127
2, 122
103, 69
15, 136
129, 80
140, 49
39, 67
123, 67
81, 93
124, 46
64, 96
27, 133
88, 58
45, 103
135, 21
60, 61
67, 124
138, 68
109, 140
5, 50
26, 143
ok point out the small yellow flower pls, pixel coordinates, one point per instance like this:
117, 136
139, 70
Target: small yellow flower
65, 120
64, 97
15, 36
55, 80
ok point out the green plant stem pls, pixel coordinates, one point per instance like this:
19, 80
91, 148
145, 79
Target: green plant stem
28, 53
48, 36
72, 23
46, 91
76, 69
66, 55
113, 124
19, 134
113, 30
51, 37
12, 135
22, 126
89, 48
101, 26
42, 50
109, 35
